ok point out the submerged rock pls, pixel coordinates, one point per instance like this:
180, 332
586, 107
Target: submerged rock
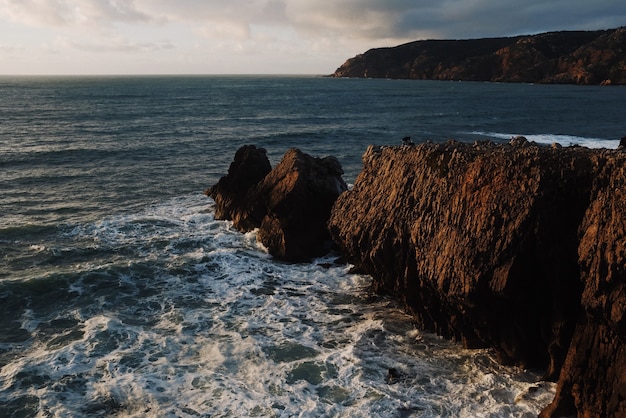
517, 248
290, 204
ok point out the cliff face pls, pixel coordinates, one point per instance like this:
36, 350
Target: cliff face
593, 378
556, 57
517, 248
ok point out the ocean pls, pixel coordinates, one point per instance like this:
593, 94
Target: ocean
122, 296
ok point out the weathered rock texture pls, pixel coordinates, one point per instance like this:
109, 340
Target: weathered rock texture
520, 248
597, 57
593, 380
290, 204
231, 193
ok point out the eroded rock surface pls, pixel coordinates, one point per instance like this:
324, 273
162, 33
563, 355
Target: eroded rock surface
290, 204
593, 379
520, 248
231, 193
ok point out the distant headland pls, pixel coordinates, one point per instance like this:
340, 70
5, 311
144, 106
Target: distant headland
567, 57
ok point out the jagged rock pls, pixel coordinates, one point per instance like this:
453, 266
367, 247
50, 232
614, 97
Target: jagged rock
622, 143
519, 141
299, 194
593, 378
290, 205
457, 232
230, 193
517, 248
573, 57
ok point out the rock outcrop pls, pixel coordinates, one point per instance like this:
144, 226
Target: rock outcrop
594, 57
520, 248
290, 204
231, 193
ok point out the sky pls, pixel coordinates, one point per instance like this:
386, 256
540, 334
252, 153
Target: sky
259, 36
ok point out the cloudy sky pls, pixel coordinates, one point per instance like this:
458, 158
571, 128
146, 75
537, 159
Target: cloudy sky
258, 36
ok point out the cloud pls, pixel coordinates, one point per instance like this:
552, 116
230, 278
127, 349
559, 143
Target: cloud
484, 18
64, 13
356, 19
238, 31
9, 49
117, 44
405, 19
326, 31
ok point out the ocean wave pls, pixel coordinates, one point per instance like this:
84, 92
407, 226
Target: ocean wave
177, 314
24, 232
564, 140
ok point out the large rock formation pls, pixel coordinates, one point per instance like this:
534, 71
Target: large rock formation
596, 57
520, 248
290, 204
231, 193
593, 379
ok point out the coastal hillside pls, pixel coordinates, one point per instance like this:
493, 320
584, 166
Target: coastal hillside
569, 57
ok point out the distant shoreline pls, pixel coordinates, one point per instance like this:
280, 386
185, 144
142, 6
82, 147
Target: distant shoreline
567, 57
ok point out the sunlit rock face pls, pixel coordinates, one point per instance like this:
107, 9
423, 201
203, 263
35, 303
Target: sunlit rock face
289, 204
519, 248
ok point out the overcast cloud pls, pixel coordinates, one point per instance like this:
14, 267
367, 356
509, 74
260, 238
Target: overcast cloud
259, 36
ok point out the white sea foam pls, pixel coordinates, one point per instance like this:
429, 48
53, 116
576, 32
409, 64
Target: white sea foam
183, 316
564, 140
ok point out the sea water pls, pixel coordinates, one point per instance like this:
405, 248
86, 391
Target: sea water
121, 295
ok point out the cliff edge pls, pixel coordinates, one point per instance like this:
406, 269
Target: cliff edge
519, 248
568, 57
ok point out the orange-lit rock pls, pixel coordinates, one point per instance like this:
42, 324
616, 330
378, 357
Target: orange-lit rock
519, 248
290, 204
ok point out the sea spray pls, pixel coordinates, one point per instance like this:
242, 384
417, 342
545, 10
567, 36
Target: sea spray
180, 315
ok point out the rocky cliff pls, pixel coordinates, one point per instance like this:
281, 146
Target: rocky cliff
593, 57
519, 248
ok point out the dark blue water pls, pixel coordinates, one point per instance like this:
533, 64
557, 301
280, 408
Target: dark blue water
94, 145
120, 295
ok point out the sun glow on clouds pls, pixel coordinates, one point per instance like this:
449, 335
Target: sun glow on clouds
256, 36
